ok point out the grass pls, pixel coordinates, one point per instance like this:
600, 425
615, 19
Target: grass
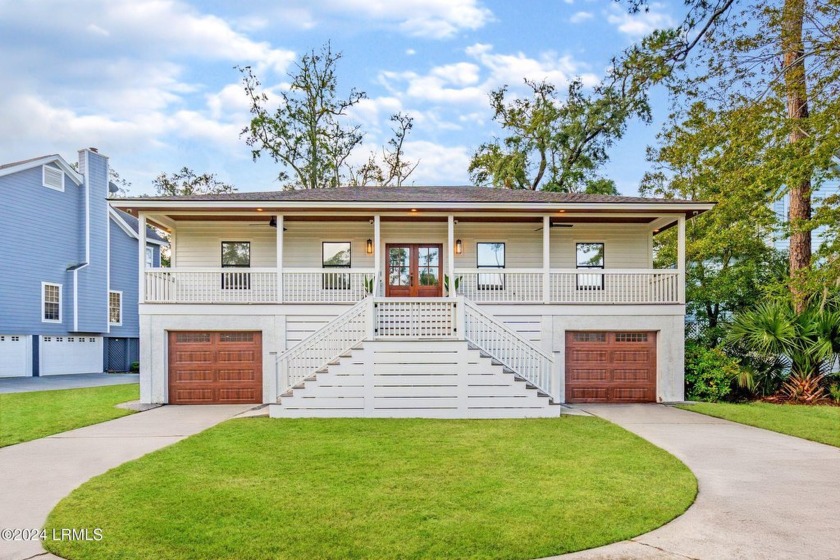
815, 423
261, 488
37, 414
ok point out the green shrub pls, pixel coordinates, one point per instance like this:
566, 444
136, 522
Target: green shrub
135, 367
709, 373
834, 391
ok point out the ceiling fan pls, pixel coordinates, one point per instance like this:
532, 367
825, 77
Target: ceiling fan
272, 222
556, 224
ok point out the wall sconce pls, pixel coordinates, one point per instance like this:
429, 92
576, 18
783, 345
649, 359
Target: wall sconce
369, 247
459, 247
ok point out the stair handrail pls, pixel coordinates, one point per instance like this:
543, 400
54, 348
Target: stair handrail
508, 347
325, 345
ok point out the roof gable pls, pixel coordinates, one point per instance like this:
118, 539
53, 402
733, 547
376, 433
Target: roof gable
60, 162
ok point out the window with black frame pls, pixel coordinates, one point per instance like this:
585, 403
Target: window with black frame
490, 255
591, 256
236, 254
335, 254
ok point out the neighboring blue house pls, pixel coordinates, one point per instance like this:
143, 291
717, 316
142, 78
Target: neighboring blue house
68, 286
782, 207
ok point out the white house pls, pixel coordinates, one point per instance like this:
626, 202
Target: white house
412, 301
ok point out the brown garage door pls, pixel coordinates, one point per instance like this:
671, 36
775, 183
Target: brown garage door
610, 367
215, 367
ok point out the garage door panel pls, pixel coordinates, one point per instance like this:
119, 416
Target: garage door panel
215, 367
62, 355
610, 366
15, 352
192, 396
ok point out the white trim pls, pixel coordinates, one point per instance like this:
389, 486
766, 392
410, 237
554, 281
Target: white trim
43, 302
56, 159
278, 239
87, 208
150, 262
129, 230
44, 177
656, 207
108, 257
118, 324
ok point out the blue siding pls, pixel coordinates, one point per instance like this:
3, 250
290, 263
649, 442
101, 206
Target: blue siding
124, 279
39, 239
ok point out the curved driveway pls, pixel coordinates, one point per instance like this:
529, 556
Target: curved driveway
762, 495
38, 474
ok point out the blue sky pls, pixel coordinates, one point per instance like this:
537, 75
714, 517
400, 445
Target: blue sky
151, 83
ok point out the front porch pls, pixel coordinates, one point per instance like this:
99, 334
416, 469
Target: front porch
491, 259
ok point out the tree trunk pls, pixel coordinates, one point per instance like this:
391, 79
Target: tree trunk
796, 92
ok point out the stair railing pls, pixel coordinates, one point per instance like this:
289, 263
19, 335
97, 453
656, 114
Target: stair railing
506, 346
325, 345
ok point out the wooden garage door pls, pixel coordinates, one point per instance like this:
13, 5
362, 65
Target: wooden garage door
215, 367
617, 367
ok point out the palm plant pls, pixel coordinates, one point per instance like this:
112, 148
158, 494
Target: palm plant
786, 351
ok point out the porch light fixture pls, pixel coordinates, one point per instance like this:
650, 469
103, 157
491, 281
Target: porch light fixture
369, 247
459, 247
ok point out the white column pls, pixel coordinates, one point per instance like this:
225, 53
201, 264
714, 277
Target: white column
279, 249
377, 255
681, 257
546, 259
451, 258
141, 256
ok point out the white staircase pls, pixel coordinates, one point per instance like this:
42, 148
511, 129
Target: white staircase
387, 358
429, 379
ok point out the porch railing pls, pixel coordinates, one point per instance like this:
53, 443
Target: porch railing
608, 286
256, 285
501, 285
350, 285
325, 345
415, 317
496, 339
327, 285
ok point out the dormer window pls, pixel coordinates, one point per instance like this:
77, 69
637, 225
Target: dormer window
52, 177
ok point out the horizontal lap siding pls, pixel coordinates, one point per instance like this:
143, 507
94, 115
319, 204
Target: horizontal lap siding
625, 246
40, 237
124, 279
199, 244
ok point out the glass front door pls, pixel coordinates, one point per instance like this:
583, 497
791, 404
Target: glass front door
414, 270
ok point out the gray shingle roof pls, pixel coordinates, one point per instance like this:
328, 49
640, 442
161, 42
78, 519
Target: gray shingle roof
151, 233
465, 194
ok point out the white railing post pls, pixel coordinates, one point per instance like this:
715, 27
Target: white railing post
370, 319
141, 252
460, 319
546, 291
279, 250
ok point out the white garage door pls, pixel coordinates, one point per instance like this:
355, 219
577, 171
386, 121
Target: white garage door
71, 354
15, 352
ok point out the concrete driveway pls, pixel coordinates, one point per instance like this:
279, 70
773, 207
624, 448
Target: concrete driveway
74, 381
762, 495
38, 474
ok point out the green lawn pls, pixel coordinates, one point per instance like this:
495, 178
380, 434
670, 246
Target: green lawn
816, 423
348, 488
37, 414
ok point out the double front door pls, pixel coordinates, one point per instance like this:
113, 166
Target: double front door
414, 270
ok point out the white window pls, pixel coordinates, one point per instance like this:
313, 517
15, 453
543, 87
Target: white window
52, 177
150, 257
115, 308
50, 302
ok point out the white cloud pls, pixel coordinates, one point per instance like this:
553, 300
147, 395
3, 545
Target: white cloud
438, 164
641, 24
580, 17
410, 52
432, 19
